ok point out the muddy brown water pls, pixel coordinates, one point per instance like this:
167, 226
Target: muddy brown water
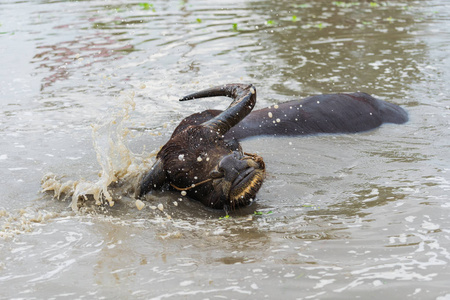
91, 87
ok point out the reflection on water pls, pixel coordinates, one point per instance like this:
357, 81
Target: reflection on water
331, 47
341, 216
61, 57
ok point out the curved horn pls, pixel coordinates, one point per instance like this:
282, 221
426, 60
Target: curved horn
244, 99
154, 179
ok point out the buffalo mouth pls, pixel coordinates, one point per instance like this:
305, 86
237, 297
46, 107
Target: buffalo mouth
248, 182
243, 179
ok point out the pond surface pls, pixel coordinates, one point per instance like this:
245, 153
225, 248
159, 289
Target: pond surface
90, 89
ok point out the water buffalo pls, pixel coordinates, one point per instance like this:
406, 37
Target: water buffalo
204, 159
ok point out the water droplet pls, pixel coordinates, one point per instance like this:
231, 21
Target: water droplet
139, 204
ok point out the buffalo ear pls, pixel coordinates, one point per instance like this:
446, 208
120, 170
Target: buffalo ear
154, 179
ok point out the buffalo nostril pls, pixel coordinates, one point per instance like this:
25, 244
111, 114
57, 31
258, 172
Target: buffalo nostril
232, 160
217, 173
231, 165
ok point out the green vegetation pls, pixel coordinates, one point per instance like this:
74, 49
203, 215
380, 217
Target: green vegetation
147, 6
199, 20
310, 206
261, 213
224, 218
294, 18
270, 22
235, 27
374, 4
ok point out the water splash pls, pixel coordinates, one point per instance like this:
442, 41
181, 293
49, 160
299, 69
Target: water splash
23, 220
121, 168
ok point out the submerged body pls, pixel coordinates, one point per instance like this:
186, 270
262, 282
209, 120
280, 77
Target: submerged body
204, 158
331, 113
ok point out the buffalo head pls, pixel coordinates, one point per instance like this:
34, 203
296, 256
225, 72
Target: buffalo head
199, 161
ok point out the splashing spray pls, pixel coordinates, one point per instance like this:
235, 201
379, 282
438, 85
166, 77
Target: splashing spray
120, 167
